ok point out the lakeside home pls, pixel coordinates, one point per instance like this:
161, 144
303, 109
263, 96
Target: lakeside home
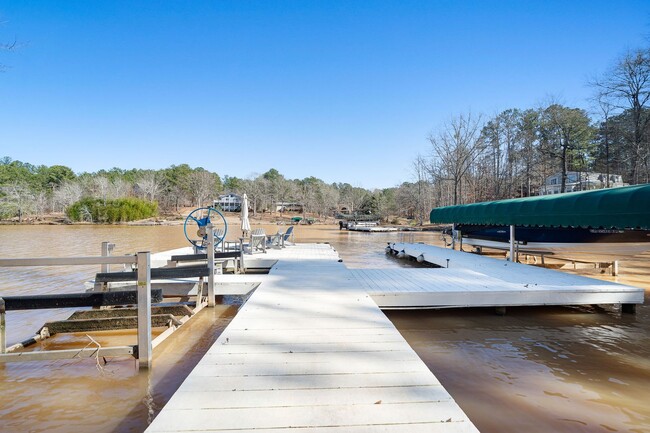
580, 181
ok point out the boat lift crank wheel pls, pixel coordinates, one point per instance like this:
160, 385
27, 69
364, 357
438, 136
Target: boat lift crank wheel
195, 227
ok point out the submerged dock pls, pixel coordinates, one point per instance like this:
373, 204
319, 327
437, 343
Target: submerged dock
312, 351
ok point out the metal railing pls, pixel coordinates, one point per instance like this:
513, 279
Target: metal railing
142, 351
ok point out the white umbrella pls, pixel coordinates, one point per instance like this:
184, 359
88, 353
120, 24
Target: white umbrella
245, 223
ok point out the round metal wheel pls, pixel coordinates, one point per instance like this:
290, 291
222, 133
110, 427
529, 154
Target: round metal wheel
195, 227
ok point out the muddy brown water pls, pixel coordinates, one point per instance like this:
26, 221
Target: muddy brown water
549, 369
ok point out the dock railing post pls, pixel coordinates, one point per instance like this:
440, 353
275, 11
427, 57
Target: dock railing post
3, 328
210, 253
453, 236
242, 265
512, 244
144, 309
107, 249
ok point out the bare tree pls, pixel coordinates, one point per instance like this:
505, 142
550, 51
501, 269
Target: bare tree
203, 185
566, 134
68, 193
605, 108
149, 185
119, 188
7, 46
352, 196
627, 87
420, 191
256, 188
16, 199
101, 187
455, 148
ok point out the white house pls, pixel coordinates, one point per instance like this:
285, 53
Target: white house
229, 202
580, 181
282, 206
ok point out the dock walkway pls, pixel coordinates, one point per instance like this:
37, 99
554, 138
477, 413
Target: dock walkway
310, 351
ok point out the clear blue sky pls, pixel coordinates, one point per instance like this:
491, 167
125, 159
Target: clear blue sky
341, 90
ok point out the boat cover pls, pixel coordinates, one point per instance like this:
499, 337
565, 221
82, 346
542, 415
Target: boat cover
621, 208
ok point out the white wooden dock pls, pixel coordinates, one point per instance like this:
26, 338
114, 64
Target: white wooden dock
310, 351
470, 280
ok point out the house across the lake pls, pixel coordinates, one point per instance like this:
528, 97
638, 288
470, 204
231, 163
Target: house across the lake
229, 202
580, 181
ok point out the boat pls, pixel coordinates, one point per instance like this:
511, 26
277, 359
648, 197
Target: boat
588, 244
369, 226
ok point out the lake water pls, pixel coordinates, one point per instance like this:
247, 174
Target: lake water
534, 370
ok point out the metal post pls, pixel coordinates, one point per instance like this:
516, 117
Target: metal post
3, 327
242, 266
453, 236
512, 243
107, 249
210, 252
144, 310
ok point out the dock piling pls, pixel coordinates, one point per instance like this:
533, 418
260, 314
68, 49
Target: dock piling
3, 329
144, 310
210, 255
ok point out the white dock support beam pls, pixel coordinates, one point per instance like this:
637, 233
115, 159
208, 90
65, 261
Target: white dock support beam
453, 236
3, 327
210, 253
144, 310
107, 249
512, 244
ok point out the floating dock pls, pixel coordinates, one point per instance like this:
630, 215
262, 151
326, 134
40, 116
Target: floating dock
471, 280
311, 350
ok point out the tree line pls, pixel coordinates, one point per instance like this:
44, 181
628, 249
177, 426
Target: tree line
29, 190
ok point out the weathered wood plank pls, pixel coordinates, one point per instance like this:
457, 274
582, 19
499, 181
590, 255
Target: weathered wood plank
176, 310
307, 397
106, 324
299, 417
67, 354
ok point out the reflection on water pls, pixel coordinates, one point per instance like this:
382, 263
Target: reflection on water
540, 369
547, 369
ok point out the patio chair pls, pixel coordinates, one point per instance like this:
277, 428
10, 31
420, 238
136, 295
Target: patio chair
280, 239
256, 241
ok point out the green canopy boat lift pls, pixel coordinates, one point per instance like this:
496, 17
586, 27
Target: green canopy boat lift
624, 208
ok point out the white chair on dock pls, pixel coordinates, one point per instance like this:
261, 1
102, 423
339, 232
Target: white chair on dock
256, 241
280, 239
